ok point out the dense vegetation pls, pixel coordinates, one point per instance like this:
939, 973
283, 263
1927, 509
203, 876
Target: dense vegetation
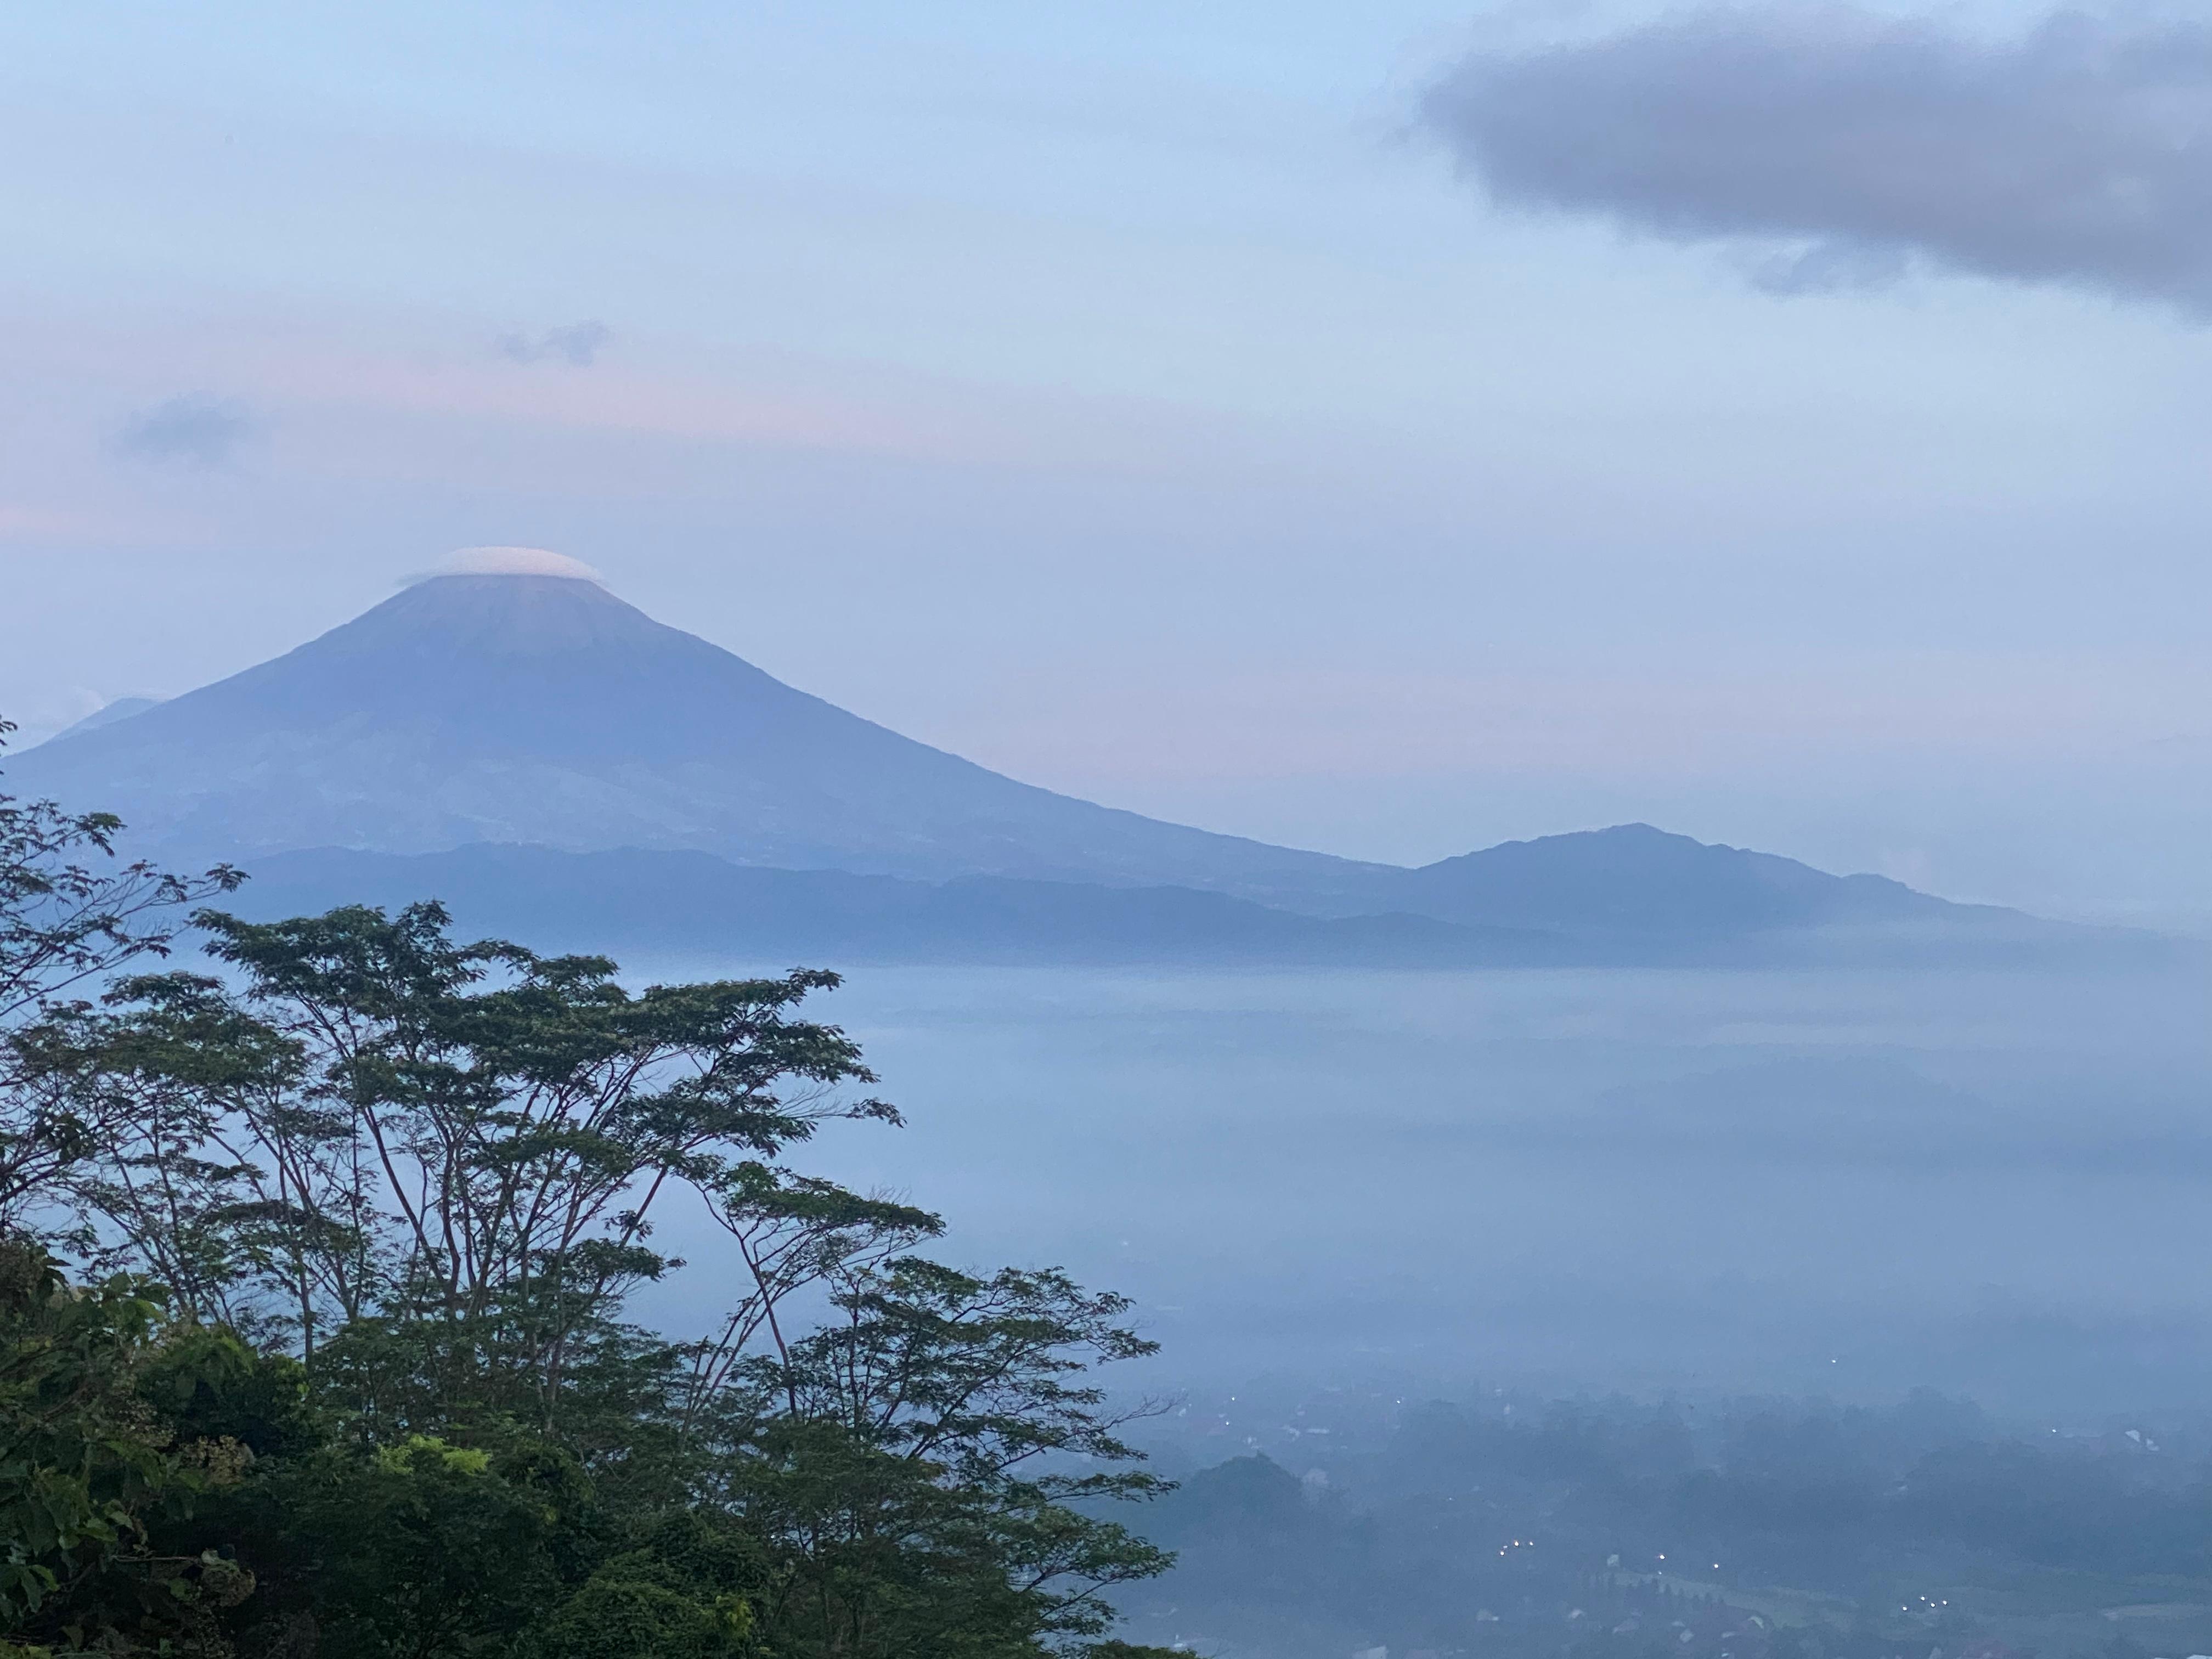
314, 1269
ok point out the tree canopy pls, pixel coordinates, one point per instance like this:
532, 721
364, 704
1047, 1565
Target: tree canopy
315, 1256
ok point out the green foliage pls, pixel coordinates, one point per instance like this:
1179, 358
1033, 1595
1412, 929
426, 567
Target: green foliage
341, 1369
422, 1547
99, 1485
688, 1591
873, 1552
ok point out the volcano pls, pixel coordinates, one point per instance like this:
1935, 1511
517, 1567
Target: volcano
515, 730
542, 709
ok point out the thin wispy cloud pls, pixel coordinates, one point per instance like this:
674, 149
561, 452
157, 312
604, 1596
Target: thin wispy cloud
579, 345
196, 430
1840, 148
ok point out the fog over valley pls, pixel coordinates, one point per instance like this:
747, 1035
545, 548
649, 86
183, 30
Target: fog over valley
1848, 1183
1609, 1129
1161, 832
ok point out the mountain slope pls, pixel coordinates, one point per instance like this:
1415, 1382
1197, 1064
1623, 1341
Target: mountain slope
533, 710
121, 709
543, 709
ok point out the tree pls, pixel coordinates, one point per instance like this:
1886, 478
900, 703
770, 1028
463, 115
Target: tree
101, 1469
343, 1368
923, 1468
421, 1549
794, 1233
67, 921
426, 1174
373, 1127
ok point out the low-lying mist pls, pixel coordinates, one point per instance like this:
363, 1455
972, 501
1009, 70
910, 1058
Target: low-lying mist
1847, 1184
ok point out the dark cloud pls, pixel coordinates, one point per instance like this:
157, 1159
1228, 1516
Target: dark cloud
578, 344
197, 429
1847, 148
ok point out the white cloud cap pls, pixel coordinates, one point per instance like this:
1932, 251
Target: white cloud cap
513, 562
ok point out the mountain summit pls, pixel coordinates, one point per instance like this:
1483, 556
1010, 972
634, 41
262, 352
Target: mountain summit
509, 706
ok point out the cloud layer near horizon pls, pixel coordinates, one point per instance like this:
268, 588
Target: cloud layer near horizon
1843, 148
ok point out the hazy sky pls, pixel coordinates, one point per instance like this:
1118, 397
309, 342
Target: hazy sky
1387, 428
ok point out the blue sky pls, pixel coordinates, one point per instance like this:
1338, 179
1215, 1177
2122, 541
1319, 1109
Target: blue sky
1139, 399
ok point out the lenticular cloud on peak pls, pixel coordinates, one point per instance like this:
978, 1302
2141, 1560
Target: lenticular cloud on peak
511, 561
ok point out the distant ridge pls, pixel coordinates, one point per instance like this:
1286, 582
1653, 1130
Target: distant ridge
694, 902
511, 736
1633, 879
631, 903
